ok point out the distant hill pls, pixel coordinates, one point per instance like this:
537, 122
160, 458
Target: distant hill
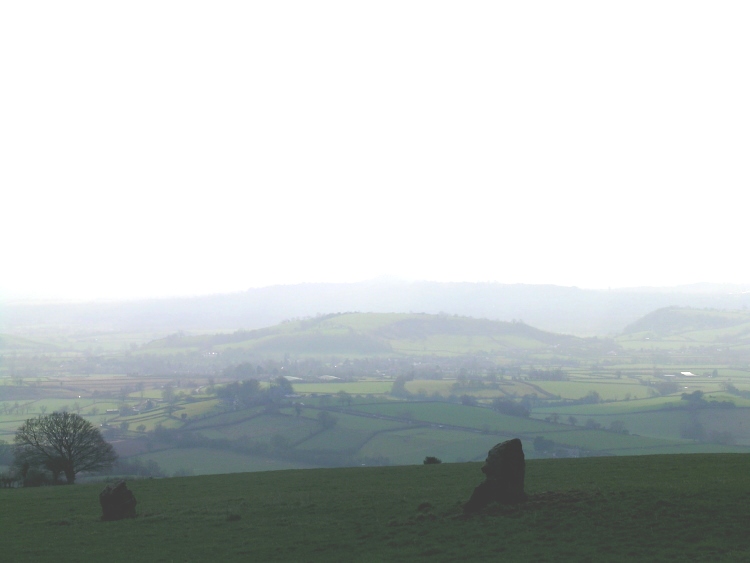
697, 325
557, 309
352, 334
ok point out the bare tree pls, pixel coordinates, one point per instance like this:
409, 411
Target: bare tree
62, 442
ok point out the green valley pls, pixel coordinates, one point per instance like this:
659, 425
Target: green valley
385, 389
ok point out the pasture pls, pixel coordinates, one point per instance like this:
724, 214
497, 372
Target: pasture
204, 461
689, 508
366, 387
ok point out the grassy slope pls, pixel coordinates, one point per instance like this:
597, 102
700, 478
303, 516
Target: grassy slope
655, 508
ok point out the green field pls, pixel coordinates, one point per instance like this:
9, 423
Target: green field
652, 508
611, 408
202, 461
455, 415
354, 388
262, 428
410, 446
608, 389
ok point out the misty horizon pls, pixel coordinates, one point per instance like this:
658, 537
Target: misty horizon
697, 287
252, 145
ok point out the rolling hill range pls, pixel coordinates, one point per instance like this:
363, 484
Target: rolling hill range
700, 336
379, 334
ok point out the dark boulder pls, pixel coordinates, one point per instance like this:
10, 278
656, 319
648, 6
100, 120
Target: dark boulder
117, 502
504, 471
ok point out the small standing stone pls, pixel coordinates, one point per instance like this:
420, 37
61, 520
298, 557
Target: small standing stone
117, 502
504, 469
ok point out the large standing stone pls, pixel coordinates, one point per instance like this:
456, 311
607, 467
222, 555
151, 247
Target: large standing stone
504, 472
117, 502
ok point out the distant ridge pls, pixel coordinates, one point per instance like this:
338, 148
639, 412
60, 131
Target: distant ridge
389, 334
559, 309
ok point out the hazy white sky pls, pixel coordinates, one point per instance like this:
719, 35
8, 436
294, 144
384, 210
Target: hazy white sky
171, 148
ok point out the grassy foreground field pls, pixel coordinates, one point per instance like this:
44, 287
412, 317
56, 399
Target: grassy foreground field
651, 508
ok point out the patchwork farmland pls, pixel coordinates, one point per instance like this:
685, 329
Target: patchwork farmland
373, 391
